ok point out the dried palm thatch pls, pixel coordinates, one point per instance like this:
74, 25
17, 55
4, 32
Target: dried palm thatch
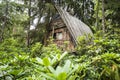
75, 26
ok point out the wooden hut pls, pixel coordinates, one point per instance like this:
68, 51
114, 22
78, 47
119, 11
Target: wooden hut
65, 29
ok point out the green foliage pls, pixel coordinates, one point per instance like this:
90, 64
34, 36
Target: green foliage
96, 58
49, 63
14, 60
98, 45
36, 49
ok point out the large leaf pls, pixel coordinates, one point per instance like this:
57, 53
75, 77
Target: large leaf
47, 76
62, 76
46, 61
67, 67
39, 60
58, 70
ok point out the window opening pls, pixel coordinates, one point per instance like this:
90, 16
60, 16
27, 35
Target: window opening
58, 36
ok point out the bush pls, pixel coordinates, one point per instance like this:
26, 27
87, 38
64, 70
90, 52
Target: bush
99, 60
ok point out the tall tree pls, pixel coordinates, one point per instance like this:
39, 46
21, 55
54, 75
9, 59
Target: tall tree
4, 19
28, 28
97, 12
103, 16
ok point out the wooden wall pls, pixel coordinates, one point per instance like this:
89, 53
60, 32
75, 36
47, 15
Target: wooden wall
65, 43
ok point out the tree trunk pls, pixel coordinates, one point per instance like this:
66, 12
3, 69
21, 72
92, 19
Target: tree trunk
47, 27
28, 29
4, 21
97, 18
103, 16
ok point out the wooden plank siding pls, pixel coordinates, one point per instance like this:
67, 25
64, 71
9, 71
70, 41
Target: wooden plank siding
66, 42
75, 26
66, 28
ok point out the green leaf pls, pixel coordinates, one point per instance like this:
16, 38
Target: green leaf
47, 76
63, 55
51, 69
39, 60
58, 70
16, 72
66, 67
62, 76
73, 70
46, 61
72, 77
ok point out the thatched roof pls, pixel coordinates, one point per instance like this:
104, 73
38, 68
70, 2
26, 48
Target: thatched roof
75, 26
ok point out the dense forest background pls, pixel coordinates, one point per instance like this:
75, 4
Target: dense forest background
23, 27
